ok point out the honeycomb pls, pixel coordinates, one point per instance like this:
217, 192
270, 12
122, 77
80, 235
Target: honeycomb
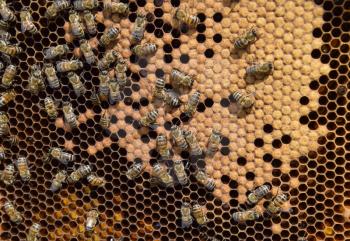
294, 138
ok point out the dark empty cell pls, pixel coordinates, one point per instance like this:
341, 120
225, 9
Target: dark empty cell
175, 3
158, 12
133, 58
241, 161
267, 157
132, 17
268, 128
259, 142
286, 139
149, 17
167, 125
303, 120
225, 151
208, 102
175, 43
224, 102
176, 121
304, 100
150, 27
176, 33
184, 117
135, 87
132, 7
141, 3
217, 38
184, 58
209, 53
158, 23
276, 163
136, 106
201, 17
128, 101
143, 73
145, 139
158, 3
200, 38
168, 58
276, 143
316, 53
143, 62
159, 73
127, 91
128, 119
167, 27
224, 141
158, 33
217, 17
144, 101
201, 107
135, 77
184, 28
121, 133
167, 48
201, 28
250, 176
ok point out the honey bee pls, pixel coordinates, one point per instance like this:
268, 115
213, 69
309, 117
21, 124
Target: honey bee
36, 80
213, 143
246, 39
12, 140
135, 170
105, 120
4, 125
51, 76
204, 180
56, 7
109, 36
76, 24
171, 99
56, 51
92, 220
14, 215
144, 49
195, 149
86, 49
3, 152
69, 117
120, 72
33, 232
7, 97
248, 215
245, 102
23, 169
59, 154
81, 5
78, 86
95, 99
110, 57
7, 175
27, 22
179, 78
96, 181
178, 137
9, 50
256, 195
4, 25
8, 76
118, 8
104, 85
90, 23
160, 172
158, 91
186, 218
58, 181
260, 70
274, 206
139, 28
150, 119
6, 13
184, 17
162, 146
51, 108
114, 93
69, 65
191, 106
180, 172
199, 214
82, 172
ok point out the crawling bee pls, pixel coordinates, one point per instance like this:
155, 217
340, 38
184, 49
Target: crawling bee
9, 50
245, 102
199, 214
158, 91
7, 175
110, 57
59, 154
5, 36
56, 51
103, 91
120, 72
56, 7
69, 65
92, 220
256, 195
105, 120
7, 97
179, 78
95, 99
114, 92
4, 124
14, 215
213, 143
260, 70
246, 39
36, 81
191, 106
6, 13
58, 181
76, 24
86, 49
180, 172
51, 108
51, 76
9, 76
162, 146
109, 36
33, 233
69, 117
3, 152
135, 170
162, 175
96, 181
118, 8
23, 169
178, 137
248, 215
90, 23
81, 5
78, 86
171, 99
82, 172
27, 24
195, 149
186, 218
183, 16
204, 180
144, 49
150, 119
274, 206
139, 28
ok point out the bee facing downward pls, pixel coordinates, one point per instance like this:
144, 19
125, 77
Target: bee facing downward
27, 22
